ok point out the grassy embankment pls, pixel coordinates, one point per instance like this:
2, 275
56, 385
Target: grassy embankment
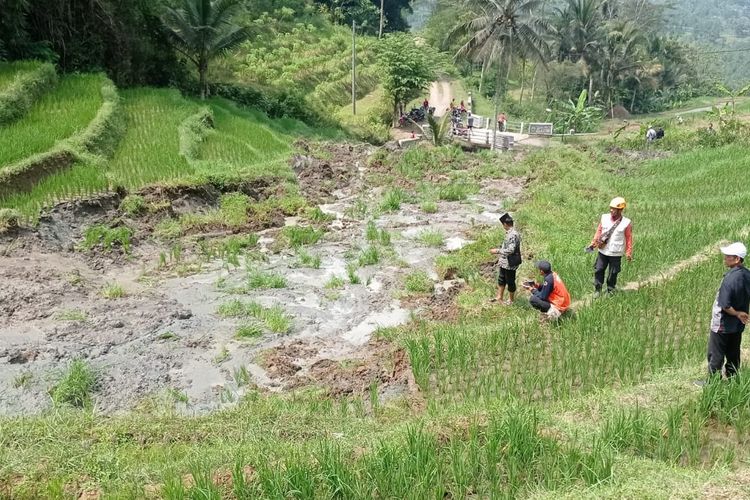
592, 407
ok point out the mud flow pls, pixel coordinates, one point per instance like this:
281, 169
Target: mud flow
165, 340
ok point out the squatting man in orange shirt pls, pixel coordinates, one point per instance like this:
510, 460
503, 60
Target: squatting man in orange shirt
550, 296
613, 240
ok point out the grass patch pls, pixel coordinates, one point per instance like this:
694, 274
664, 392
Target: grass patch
113, 291
262, 279
369, 256
392, 200
133, 204
75, 386
432, 238
428, 207
23, 380
317, 215
306, 259
418, 282
249, 331
351, 272
335, 283
274, 318
71, 315
296, 236
107, 238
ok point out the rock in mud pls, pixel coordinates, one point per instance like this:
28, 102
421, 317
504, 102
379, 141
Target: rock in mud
449, 286
182, 314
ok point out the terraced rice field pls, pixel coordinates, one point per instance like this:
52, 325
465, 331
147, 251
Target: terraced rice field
57, 115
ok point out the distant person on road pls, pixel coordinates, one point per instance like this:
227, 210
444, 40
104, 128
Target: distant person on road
710, 129
650, 134
509, 258
613, 240
501, 122
470, 121
550, 297
730, 313
426, 105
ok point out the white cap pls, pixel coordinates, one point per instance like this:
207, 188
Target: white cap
737, 249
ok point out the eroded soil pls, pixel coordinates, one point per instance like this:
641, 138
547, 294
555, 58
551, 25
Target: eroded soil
165, 341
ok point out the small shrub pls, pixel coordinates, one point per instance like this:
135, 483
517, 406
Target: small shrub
276, 319
241, 376
261, 279
76, 385
432, 238
113, 291
418, 282
133, 204
23, 380
392, 200
369, 256
297, 236
107, 237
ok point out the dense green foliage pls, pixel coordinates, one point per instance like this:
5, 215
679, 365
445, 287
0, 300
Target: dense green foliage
406, 71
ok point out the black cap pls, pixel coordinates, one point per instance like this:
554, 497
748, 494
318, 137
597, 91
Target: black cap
506, 218
544, 266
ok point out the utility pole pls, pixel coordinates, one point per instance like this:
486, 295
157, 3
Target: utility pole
382, 5
354, 70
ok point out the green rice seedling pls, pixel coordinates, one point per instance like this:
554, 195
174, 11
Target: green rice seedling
168, 335
177, 396
168, 229
429, 207
107, 238
306, 259
371, 231
56, 116
133, 204
23, 380
351, 272
456, 191
274, 318
385, 238
297, 236
203, 485
113, 291
317, 215
392, 200
335, 283
75, 386
358, 210
261, 279
222, 355
418, 282
248, 331
9, 219
369, 256
241, 376
71, 315
432, 238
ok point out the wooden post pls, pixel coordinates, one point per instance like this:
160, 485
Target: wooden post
354, 70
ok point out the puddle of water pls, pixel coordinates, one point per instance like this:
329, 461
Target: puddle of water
360, 334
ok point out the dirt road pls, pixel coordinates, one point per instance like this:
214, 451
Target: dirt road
440, 96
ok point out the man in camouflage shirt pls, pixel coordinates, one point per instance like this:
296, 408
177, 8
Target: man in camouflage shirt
509, 259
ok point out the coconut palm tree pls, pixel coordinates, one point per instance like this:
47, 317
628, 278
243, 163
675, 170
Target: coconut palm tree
203, 29
619, 57
498, 30
582, 34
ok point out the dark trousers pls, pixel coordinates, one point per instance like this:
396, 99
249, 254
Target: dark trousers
724, 346
507, 277
602, 263
539, 304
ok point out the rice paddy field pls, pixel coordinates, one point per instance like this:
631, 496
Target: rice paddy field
598, 405
56, 116
9, 71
